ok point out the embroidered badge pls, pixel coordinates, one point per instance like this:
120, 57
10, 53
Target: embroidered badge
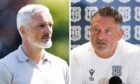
117, 70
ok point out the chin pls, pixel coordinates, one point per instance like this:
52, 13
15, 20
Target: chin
43, 44
46, 45
103, 51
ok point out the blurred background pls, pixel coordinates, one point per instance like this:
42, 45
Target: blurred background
10, 38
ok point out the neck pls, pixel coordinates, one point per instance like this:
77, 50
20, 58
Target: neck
34, 53
105, 55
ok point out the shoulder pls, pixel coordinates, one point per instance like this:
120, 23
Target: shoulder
82, 48
129, 47
10, 58
129, 52
82, 52
9, 61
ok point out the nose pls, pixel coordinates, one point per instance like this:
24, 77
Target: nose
47, 30
101, 35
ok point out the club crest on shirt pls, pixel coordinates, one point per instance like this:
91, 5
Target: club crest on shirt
91, 72
117, 70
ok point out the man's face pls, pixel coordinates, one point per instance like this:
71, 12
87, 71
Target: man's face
40, 30
104, 34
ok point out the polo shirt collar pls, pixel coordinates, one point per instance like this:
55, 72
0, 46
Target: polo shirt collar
46, 57
21, 55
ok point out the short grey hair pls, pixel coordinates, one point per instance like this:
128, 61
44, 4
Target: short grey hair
25, 14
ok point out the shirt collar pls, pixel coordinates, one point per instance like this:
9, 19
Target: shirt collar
47, 57
21, 55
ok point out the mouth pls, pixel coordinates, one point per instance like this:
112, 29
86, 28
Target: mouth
100, 44
46, 37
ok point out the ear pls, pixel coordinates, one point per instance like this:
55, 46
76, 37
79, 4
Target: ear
121, 32
89, 32
23, 31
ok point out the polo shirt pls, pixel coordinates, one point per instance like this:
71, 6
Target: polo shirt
17, 68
